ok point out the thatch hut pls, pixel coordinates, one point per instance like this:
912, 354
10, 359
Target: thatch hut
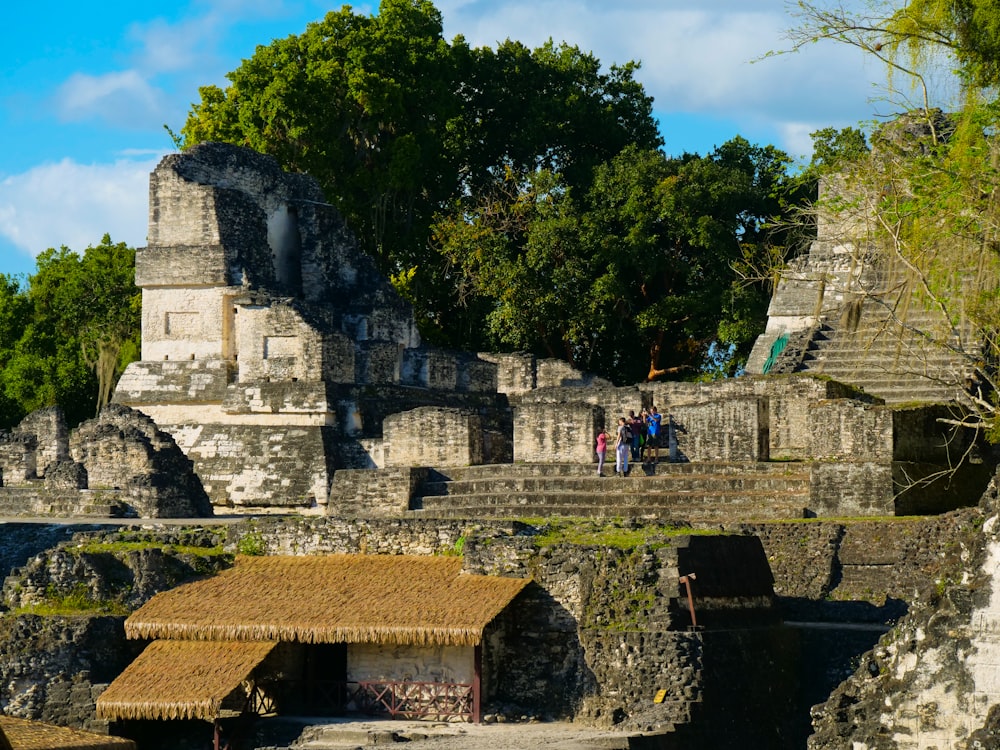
392, 633
21, 734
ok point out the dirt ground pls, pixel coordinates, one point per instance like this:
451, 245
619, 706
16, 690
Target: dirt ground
416, 735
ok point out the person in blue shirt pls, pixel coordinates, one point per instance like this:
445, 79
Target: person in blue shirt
654, 425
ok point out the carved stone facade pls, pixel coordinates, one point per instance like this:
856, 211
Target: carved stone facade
276, 356
272, 349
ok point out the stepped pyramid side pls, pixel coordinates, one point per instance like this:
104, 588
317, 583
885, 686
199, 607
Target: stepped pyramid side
845, 311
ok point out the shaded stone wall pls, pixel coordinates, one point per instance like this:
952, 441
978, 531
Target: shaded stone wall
374, 492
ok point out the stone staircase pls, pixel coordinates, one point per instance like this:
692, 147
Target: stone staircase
889, 360
671, 492
28, 501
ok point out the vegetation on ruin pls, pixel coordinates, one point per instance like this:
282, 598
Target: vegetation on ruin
251, 542
618, 534
78, 601
67, 335
930, 182
518, 198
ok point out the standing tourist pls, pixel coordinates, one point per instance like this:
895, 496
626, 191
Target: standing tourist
635, 425
602, 450
654, 424
622, 443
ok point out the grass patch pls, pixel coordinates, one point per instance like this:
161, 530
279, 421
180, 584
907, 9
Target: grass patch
612, 533
76, 602
98, 547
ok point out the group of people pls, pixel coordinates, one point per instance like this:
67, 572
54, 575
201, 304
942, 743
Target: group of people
636, 437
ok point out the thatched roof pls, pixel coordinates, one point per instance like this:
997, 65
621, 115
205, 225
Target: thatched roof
397, 599
181, 679
21, 734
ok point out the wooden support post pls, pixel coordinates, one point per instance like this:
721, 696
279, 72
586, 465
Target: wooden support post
477, 683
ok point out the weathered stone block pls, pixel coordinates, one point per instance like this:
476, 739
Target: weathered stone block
431, 436
846, 430
850, 489
556, 433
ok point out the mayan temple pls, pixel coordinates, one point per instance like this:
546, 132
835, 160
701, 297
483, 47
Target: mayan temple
851, 312
272, 349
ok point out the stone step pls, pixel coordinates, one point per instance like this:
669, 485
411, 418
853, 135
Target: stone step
587, 470
679, 513
622, 494
880, 381
710, 491
890, 352
707, 483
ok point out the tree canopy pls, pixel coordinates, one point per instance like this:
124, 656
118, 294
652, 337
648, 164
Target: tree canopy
517, 198
67, 335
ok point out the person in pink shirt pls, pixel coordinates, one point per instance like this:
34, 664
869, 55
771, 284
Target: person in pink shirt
602, 450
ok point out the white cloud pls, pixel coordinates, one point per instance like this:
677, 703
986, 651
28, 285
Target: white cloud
74, 204
124, 98
168, 47
696, 56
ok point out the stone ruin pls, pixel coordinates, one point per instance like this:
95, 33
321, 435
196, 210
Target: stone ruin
848, 310
292, 376
119, 464
272, 350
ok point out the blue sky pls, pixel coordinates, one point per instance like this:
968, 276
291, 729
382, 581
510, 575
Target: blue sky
86, 88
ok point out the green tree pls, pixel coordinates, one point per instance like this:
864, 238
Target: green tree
14, 319
363, 103
402, 128
644, 259
67, 336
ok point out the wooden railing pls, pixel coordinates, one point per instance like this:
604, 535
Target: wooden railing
394, 698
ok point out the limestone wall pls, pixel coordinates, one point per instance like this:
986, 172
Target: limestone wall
557, 432
733, 429
373, 493
372, 661
844, 430
183, 324
520, 373
432, 436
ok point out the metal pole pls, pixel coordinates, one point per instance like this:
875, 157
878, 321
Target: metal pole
686, 580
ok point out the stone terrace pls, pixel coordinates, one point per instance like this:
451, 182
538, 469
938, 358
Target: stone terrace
711, 491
